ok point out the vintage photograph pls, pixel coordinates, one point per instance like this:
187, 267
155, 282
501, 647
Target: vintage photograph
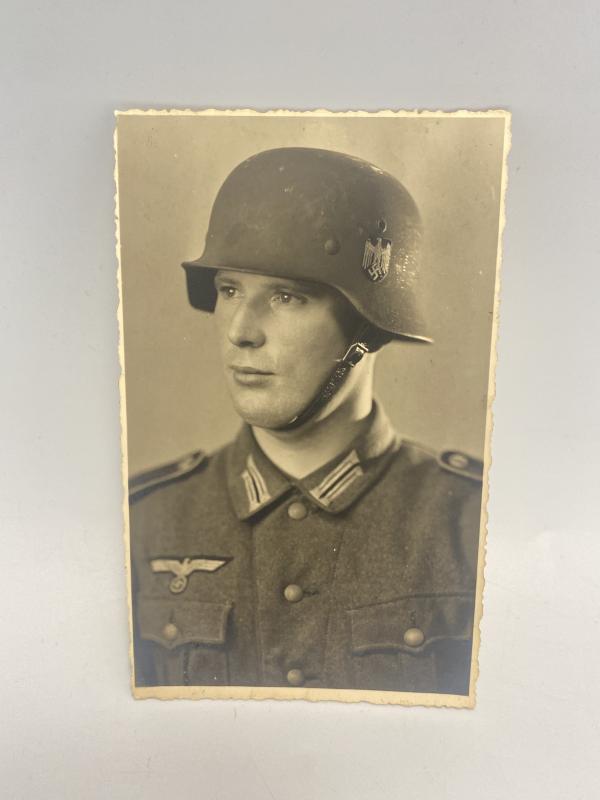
308, 315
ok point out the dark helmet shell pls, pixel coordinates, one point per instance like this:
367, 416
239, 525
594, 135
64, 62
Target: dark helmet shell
318, 215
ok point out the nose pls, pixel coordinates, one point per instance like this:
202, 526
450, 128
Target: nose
245, 329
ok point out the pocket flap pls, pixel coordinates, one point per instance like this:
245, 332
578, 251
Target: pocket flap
175, 622
411, 623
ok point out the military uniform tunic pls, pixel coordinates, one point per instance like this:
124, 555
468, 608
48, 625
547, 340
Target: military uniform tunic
359, 576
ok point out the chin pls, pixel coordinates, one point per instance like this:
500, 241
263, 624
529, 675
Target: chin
263, 412
262, 418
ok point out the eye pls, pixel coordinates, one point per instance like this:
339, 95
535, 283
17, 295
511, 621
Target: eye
287, 298
226, 291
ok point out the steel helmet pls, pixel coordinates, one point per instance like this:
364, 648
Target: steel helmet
322, 216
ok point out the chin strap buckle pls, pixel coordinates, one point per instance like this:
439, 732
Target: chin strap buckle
354, 354
350, 359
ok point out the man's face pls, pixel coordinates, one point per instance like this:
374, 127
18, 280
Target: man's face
279, 341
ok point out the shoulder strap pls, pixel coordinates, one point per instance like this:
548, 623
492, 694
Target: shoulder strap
165, 473
461, 464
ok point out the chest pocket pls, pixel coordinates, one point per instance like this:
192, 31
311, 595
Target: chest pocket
181, 642
414, 644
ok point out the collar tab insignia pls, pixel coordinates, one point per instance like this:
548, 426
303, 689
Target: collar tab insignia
338, 480
255, 485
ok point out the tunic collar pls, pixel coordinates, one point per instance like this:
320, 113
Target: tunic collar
255, 483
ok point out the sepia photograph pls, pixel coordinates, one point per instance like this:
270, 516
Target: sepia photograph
308, 316
301, 435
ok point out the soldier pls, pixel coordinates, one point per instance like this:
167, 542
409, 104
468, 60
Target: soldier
318, 549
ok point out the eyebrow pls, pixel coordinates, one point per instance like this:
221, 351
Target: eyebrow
223, 276
306, 287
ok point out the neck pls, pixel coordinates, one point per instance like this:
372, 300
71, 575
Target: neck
302, 451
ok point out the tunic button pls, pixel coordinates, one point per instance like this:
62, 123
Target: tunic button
297, 510
414, 637
295, 677
293, 593
170, 631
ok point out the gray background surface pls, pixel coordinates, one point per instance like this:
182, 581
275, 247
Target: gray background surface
170, 169
69, 728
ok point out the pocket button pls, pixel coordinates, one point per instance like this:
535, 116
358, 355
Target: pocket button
414, 637
170, 631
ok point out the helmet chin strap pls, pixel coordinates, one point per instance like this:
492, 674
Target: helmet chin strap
367, 339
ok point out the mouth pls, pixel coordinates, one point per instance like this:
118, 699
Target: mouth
248, 370
249, 376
